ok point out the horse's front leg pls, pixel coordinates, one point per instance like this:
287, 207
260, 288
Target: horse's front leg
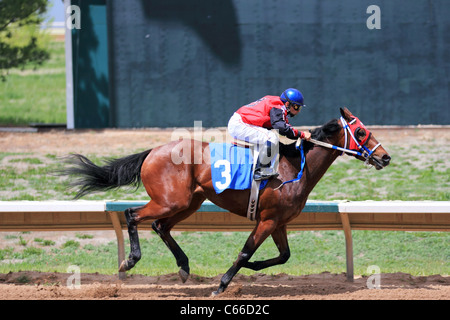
280, 238
135, 249
256, 238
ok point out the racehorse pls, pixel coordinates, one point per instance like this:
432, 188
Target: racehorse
177, 190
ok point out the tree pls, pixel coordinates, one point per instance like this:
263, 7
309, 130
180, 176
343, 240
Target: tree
16, 15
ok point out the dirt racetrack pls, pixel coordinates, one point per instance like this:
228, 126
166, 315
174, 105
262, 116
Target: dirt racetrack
325, 286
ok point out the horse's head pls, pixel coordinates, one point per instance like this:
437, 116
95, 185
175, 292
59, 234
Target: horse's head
358, 138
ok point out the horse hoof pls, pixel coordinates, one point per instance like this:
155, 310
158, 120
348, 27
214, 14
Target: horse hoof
183, 275
215, 293
123, 266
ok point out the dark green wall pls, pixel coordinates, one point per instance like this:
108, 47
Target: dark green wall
90, 66
172, 62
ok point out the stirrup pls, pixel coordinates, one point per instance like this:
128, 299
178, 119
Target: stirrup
259, 175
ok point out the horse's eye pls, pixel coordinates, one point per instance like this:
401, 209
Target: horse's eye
360, 133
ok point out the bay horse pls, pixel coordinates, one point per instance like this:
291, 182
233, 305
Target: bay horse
178, 190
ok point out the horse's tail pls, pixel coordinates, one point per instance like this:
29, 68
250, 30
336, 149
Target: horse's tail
115, 173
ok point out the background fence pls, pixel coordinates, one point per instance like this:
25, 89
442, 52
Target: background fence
134, 60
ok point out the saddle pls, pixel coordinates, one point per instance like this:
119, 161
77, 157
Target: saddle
232, 167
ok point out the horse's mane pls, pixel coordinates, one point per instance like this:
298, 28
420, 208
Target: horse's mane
321, 133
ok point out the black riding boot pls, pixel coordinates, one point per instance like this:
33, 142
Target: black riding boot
264, 169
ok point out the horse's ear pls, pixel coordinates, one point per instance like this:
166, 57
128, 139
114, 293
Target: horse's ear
346, 114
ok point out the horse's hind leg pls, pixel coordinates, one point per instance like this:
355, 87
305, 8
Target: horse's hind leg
135, 252
163, 226
134, 216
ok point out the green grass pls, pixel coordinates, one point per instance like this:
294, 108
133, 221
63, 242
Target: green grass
44, 242
408, 177
26, 177
212, 253
36, 95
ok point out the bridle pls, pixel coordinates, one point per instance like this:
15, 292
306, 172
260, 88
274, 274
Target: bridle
356, 147
362, 149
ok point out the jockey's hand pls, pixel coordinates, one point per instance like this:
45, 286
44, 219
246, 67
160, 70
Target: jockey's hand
307, 135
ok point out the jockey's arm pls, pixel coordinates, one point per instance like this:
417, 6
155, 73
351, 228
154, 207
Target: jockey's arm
279, 122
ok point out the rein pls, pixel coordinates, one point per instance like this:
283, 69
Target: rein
298, 146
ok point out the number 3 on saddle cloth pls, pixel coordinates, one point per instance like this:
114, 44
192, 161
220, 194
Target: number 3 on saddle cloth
231, 167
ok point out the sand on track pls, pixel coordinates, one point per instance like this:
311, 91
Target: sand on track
325, 286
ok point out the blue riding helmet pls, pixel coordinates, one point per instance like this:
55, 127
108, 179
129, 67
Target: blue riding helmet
293, 96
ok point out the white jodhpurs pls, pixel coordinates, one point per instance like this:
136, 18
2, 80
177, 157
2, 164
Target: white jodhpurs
258, 136
240, 130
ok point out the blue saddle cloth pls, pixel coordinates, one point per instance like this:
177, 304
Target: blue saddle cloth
231, 167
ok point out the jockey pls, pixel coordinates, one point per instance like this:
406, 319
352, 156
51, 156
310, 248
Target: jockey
252, 123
